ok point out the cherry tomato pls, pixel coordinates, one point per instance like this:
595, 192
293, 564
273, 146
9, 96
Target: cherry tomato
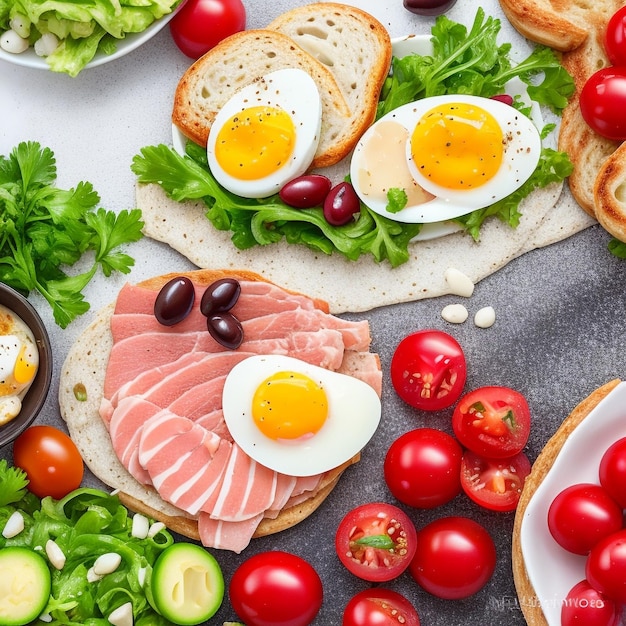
613, 471
581, 515
492, 421
605, 568
603, 100
423, 468
276, 589
428, 370
455, 558
50, 459
585, 605
376, 541
615, 37
495, 484
379, 607
201, 24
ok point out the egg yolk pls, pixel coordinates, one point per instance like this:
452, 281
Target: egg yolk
25, 367
457, 146
289, 405
255, 142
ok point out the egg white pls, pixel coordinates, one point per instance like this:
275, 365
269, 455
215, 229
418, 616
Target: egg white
354, 411
521, 154
293, 91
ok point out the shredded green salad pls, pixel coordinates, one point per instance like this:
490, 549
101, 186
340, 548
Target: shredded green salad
82, 29
84, 524
463, 61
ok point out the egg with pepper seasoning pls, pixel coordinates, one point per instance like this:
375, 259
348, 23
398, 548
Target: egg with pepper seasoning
297, 418
266, 134
449, 154
19, 361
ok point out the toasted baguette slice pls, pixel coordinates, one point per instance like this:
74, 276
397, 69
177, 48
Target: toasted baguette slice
243, 58
609, 194
354, 46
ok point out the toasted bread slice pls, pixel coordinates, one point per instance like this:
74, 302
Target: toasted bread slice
609, 193
242, 59
354, 46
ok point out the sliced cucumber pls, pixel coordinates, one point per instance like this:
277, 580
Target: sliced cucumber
187, 584
24, 585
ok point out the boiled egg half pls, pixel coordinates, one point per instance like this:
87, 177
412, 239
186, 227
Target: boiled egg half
19, 361
450, 154
266, 134
297, 418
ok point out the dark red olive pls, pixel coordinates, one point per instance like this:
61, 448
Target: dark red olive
174, 301
341, 204
226, 329
504, 98
428, 7
305, 191
222, 295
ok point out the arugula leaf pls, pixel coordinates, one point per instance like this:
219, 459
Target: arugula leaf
13, 482
43, 229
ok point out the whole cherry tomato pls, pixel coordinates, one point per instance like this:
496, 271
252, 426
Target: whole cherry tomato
428, 370
201, 24
455, 558
615, 37
613, 471
605, 568
379, 607
276, 589
603, 100
50, 459
492, 421
585, 605
376, 541
423, 468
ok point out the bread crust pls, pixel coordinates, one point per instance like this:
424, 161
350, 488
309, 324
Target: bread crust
609, 194
531, 607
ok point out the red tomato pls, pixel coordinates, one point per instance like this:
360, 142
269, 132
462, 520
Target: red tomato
492, 421
428, 370
202, 24
606, 567
423, 468
613, 471
50, 459
615, 37
581, 515
603, 100
455, 558
495, 484
585, 605
276, 589
379, 607
376, 541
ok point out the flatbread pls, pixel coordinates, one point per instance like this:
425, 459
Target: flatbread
549, 215
81, 390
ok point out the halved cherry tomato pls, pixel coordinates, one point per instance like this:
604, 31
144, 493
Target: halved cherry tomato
376, 541
581, 515
603, 100
379, 607
201, 24
423, 468
276, 588
50, 459
615, 37
455, 558
428, 370
613, 471
585, 605
492, 421
605, 567
495, 484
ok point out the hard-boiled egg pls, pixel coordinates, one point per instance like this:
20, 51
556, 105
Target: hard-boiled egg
266, 134
19, 361
297, 418
450, 154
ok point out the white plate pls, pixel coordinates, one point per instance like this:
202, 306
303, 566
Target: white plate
552, 570
131, 42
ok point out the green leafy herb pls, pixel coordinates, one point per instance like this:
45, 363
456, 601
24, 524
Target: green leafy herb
617, 248
396, 200
13, 482
44, 228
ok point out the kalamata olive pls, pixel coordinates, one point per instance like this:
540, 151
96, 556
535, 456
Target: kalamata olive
222, 295
226, 329
504, 98
305, 191
341, 204
174, 301
428, 7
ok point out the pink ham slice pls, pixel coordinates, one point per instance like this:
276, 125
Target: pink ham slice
234, 536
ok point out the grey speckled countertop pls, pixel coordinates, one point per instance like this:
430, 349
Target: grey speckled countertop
560, 310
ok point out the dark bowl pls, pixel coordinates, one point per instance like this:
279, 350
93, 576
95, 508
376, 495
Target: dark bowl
36, 396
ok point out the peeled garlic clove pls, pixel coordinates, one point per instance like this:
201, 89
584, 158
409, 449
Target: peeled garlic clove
454, 313
459, 283
485, 317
